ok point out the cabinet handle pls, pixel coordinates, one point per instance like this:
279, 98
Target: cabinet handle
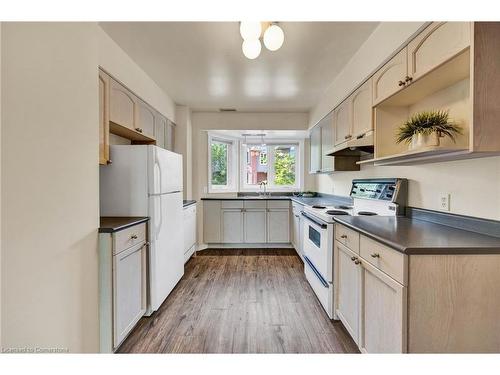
401, 83
353, 258
343, 236
357, 261
348, 136
134, 236
375, 255
139, 130
109, 161
408, 79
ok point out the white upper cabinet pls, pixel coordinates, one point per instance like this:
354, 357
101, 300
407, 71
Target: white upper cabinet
326, 143
122, 105
145, 119
390, 78
160, 128
361, 109
439, 42
341, 120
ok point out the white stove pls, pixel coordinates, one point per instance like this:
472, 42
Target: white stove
371, 197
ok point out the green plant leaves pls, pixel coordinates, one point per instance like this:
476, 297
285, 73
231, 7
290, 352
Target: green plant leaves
427, 122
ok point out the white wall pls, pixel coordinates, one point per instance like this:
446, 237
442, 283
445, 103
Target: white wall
0, 184
183, 140
117, 63
474, 184
384, 40
49, 186
49, 161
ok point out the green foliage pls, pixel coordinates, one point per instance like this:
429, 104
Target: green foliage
426, 123
219, 164
284, 168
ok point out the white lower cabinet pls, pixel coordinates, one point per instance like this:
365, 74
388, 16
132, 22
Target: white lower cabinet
348, 280
383, 316
189, 231
129, 289
255, 225
232, 225
278, 225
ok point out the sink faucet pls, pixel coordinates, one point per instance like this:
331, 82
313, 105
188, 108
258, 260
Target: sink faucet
263, 184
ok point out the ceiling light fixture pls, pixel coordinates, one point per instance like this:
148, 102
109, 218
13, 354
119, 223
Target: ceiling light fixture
251, 32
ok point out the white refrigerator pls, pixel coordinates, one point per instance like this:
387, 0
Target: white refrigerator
146, 180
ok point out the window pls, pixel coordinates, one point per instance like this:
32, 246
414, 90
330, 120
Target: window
222, 164
276, 164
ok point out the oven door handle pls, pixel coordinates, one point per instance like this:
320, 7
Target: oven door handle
315, 221
316, 272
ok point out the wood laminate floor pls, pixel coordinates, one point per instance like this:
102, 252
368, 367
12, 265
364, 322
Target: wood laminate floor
241, 301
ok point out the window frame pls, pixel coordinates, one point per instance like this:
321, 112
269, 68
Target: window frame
299, 163
232, 164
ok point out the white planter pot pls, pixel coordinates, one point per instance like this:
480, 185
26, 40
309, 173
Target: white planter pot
419, 141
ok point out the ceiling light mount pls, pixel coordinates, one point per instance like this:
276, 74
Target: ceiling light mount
252, 32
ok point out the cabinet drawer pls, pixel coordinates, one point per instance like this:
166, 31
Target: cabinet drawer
231, 204
384, 258
278, 204
129, 237
347, 237
254, 204
297, 208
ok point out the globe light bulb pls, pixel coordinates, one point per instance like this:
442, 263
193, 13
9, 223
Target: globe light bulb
251, 48
273, 38
250, 30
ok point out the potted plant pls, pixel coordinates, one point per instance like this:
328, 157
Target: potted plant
424, 129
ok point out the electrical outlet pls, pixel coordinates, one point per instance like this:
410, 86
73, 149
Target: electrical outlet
444, 202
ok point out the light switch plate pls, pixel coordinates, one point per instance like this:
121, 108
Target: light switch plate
444, 202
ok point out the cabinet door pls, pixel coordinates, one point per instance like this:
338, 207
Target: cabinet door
122, 105
384, 312
327, 143
361, 109
170, 136
103, 118
211, 221
145, 119
348, 289
255, 225
278, 225
386, 81
160, 128
315, 150
439, 42
129, 290
232, 226
297, 234
342, 123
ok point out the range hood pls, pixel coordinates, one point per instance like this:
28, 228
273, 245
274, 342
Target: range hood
358, 145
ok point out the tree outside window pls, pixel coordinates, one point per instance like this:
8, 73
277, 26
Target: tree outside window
219, 163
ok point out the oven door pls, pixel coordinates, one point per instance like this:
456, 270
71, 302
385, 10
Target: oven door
318, 246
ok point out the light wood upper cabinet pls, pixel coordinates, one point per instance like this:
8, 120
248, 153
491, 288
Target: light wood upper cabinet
122, 106
341, 121
326, 143
315, 150
383, 318
104, 82
145, 119
439, 42
390, 78
170, 136
348, 289
361, 109
160, 129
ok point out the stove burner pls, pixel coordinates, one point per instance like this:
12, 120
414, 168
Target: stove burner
336, 212
319, 207
366, 213
342, 207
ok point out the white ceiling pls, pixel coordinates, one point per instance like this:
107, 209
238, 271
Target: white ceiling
200, 64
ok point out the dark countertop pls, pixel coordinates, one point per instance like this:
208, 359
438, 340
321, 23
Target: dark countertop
319, 200
414, 237
186, 203
114, 224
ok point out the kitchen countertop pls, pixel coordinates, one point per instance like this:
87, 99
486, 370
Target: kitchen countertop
306, 201
186, 203
114, 224
414, 237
